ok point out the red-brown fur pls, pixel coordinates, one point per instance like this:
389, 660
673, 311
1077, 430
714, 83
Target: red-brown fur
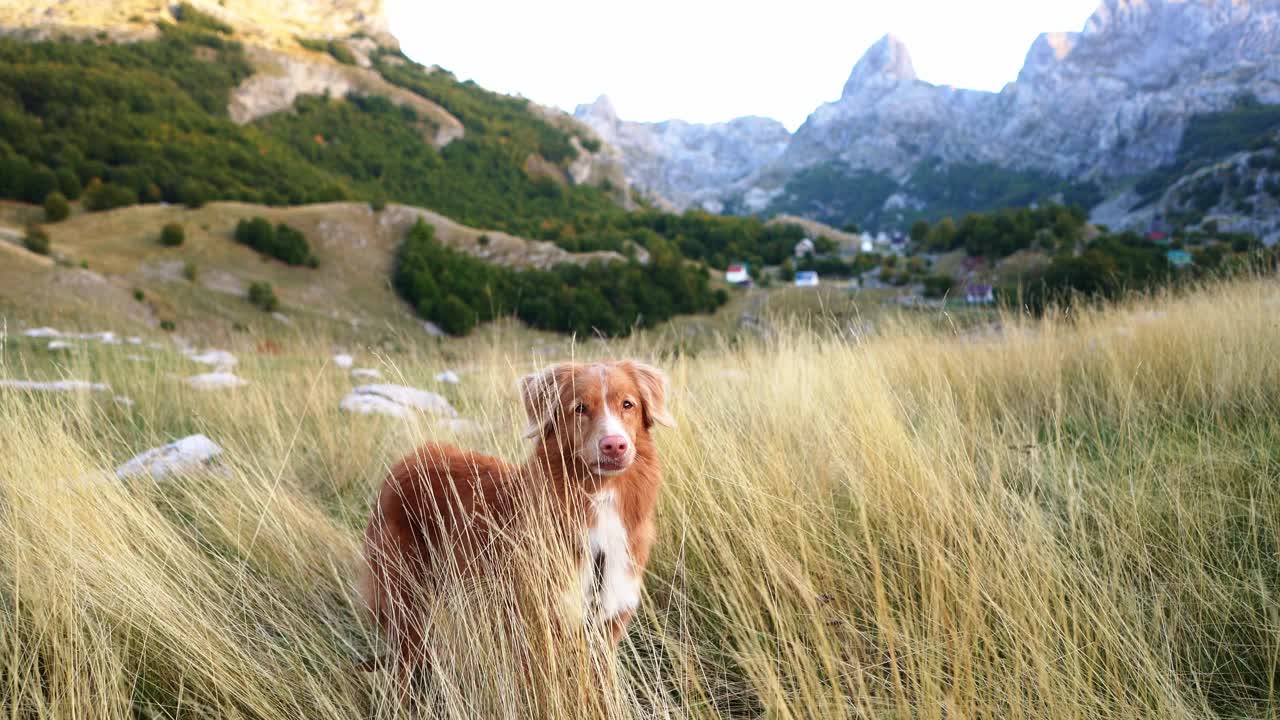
442, 504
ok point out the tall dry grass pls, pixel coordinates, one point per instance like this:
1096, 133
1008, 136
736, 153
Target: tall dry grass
1070, 518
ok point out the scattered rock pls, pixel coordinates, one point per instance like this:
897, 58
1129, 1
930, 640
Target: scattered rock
372, 405
367, 373
185, 455
432, 329
343, 361
216, 381
135, 358
281, 317
55, 386
396, 400
448, 376
124, 401
106, 336
59, 345
134, 340
217, 358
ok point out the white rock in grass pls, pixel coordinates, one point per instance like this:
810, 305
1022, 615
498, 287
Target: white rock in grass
216, 358
448, 376
343, 361
185, 455
42, 332
432, 329
367, 373
124, 401
59, 345
134, 340
215, 381
55, 386
372, 405
387, 397
105, 337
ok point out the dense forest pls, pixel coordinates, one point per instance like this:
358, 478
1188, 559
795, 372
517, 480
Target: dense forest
458, 290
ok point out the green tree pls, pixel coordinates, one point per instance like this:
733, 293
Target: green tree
455, 317
36, 240
919, 231
56, 207
939, 285
263, 296
172, 235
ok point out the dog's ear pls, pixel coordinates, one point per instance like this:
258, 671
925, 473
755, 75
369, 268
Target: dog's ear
653, 393
541, 394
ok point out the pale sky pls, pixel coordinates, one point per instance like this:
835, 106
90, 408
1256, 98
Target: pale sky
714, 60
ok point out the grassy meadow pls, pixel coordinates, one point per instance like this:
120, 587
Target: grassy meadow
1076, 517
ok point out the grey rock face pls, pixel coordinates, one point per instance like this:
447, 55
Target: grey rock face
1104, 103
687, 164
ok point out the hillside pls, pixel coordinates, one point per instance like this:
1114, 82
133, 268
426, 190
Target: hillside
193, 114
349, 293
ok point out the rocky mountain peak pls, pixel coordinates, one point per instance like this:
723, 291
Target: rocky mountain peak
885, 63
1046, 54
601, 112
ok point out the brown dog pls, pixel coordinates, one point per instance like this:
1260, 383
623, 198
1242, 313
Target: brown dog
445, 514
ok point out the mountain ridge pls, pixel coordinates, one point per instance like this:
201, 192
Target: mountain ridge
1096, 106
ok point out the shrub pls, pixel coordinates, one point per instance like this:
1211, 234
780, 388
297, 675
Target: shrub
185, 13
69, 183
105, 196
190, 271
56, 207
36, 240
455, 317
282, 242
168, 325
939, 285
195, 194
483, 240
263, 296
172, 235
139, 295
378, 203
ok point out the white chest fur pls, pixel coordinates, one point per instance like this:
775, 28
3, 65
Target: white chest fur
607, 575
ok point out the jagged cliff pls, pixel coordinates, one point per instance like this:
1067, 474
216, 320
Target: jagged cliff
1096, 106
684, 163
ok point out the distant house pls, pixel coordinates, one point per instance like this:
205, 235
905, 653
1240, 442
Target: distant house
1178, 258
738, 274
806, 278
804, 248
979, 294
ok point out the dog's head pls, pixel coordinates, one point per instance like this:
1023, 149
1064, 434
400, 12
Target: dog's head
596, 412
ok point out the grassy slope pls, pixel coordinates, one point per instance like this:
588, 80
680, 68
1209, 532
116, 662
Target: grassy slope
1058, 520
354, 244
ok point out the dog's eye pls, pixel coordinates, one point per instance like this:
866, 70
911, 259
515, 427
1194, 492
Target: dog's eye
580, 408
627, 404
